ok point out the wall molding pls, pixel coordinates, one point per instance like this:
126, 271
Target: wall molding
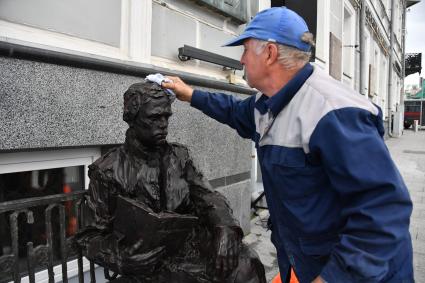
99, 63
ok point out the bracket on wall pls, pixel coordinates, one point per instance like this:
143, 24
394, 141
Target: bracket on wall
351, 46
188, 52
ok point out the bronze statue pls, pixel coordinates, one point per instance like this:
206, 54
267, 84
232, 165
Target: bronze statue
156, 219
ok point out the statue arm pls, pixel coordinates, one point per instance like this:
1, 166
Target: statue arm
210, 206
101, 244
214, 211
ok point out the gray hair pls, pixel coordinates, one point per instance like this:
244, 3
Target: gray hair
289, 57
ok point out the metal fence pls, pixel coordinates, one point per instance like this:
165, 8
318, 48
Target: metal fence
43, 256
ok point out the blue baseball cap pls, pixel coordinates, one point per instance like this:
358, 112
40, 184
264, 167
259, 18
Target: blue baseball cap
278, 24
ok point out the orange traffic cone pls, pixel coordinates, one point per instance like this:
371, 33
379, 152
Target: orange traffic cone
294, 278
277, 279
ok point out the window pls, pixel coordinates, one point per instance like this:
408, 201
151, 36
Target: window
412, 106
40, 174
120, 31
349, 44
236, 9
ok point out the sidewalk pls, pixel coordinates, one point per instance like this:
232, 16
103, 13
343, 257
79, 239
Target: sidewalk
408, 152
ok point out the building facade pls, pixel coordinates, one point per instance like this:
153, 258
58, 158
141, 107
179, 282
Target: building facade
64, 66
356, 42
356, 47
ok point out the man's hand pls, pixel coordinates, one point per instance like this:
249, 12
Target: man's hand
182, 90
226, 242
318, 280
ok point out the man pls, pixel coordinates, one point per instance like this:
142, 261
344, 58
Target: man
161, 177
339, 208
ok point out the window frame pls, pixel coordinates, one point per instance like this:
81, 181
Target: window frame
349, 53
136, 21
48, 159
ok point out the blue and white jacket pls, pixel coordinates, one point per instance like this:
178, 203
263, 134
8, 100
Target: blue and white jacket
339, 207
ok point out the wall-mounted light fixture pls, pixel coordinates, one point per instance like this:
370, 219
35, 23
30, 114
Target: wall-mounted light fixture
188, 52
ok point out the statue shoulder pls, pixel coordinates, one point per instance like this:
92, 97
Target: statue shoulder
106, 162
180, 150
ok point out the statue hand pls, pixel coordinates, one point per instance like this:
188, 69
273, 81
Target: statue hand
138, 263
226, 242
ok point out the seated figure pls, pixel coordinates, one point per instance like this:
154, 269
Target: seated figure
161, 177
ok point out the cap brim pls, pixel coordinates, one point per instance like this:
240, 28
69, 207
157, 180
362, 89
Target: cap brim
237, 40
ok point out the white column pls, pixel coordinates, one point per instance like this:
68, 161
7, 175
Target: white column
136, 29
322, 36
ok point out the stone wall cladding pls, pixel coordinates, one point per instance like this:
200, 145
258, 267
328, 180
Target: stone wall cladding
51, 106
238, 195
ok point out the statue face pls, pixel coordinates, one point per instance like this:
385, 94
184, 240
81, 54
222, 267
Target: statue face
151, 123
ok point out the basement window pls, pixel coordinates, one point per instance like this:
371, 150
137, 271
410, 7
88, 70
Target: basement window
37, 176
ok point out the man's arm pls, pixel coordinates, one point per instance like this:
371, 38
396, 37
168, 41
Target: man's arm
238, 114
376, 203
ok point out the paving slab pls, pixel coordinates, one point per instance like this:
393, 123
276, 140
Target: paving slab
408, 153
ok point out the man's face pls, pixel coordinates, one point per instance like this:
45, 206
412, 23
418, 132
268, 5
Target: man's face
253, 62
151, 123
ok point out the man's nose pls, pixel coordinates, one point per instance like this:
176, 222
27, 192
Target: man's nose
242, 61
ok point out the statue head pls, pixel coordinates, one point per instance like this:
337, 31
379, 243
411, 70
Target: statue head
147, 108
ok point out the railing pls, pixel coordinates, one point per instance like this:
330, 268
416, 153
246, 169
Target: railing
43, 254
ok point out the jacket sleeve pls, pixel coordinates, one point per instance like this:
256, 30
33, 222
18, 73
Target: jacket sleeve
210, 206
226, 109
376, 204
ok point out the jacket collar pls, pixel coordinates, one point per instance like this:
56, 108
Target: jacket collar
278, 101
139, 151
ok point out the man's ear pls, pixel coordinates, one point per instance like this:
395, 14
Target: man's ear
272, 54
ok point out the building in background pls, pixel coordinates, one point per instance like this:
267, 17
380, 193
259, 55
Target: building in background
355, 46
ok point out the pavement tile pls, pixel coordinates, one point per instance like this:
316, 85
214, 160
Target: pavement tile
414, 188
420, 235
419, 265
419, 247
412, 168
419, 206
416, 198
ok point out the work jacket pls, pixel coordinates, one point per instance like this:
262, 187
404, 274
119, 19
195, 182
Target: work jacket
338, 205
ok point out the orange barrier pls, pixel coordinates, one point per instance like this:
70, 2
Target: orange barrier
294, 278
277, 279
71, 228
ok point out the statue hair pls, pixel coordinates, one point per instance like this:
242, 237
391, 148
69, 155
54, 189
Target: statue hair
139, 94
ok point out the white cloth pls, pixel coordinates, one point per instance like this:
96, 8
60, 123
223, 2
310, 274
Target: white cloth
159, 78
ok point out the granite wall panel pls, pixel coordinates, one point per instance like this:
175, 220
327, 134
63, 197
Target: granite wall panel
51, 106
238, 195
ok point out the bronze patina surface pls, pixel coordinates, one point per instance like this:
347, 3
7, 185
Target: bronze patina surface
156, 219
